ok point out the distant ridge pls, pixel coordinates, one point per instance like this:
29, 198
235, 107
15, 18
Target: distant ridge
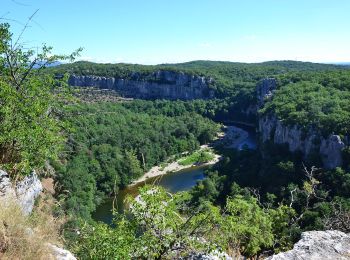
342, 63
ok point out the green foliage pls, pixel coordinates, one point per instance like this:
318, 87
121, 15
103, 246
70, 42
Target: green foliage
234, 83
285, 230
230, 78
113, 144
100, 241
30, 129
295, 200
247, 225
317, 100
154, 229
161, 226
198, 157
207, 189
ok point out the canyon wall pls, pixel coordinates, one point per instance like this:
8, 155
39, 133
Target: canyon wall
161, 84
307, 141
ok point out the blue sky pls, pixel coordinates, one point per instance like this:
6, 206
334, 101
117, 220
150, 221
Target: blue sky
164, 31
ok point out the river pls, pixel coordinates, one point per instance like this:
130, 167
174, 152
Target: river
174, 182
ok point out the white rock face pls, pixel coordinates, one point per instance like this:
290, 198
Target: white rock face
27, 191
318, 245
305, 141
24, 192
331, 151
60, 253
159, 84
6, 189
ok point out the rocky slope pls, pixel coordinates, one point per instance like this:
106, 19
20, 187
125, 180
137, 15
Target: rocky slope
316, 245
307, 141
25, 192
160, 84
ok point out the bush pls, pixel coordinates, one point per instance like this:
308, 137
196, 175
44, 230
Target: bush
30, 126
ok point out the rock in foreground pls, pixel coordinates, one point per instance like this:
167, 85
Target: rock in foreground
315, 245
61, 254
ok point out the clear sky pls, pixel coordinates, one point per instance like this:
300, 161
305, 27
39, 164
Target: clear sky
166, 31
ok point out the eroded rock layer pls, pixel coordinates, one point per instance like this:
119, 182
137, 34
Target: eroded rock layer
158, 85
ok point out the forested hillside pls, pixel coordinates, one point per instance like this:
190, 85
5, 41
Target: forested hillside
112, 144
279, 186
230, 77
318, 99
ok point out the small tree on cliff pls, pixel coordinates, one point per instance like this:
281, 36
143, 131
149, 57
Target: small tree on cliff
29, 101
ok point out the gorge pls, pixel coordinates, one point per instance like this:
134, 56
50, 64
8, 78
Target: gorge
172, 112
163, 84
174, 130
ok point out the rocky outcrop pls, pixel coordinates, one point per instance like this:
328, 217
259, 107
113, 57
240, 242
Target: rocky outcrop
331, 151
265, 90
298, 139
27, 190
6, 188
306, 141
24, 192
60, 253
315, 245
160, 84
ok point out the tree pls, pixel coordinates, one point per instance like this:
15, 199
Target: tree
160, 225
154, 229
30, 129
247, 226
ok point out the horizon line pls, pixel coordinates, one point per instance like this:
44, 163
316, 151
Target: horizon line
208, 60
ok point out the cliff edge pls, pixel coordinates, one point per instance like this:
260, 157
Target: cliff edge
316, 245
307, 141
161, 84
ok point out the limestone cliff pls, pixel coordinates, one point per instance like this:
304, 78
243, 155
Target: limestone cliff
306, 141
24, 192
160, 84
315, 245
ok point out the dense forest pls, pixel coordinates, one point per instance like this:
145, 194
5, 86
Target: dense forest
113, 144
319, 100
230, 79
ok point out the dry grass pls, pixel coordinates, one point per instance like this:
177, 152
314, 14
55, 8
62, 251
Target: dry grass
26, 237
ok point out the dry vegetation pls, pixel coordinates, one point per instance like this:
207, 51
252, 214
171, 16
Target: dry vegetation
27, 237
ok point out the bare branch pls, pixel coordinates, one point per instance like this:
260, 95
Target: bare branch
19, 3
256, 193
24, 29
292, 197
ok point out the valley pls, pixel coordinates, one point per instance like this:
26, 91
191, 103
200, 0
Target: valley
174, 177
285, 153
203, 158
